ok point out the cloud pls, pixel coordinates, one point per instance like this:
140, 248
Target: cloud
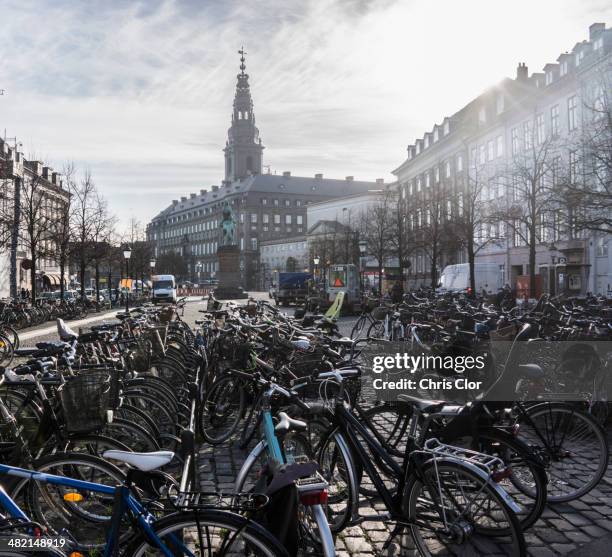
141, 92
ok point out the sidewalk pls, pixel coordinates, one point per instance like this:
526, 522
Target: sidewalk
51, 327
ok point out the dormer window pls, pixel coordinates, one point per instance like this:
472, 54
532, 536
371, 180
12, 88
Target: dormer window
598, 43
579, 57
549, 77
426, 141
482, 115
499, 104
418, 148
563, 68
436, 135
446, 127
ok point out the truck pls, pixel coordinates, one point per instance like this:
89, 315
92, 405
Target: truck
292, 288
456, 278
164, 289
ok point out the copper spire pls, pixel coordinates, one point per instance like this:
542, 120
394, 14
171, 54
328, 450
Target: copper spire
242, 66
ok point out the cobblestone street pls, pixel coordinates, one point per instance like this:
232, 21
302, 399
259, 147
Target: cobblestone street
562, 529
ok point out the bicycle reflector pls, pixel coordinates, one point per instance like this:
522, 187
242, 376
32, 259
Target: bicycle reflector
73, 497
310, 498
75, 554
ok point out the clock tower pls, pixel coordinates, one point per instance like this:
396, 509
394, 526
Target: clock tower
243, 149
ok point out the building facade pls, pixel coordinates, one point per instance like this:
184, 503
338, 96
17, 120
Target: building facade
267, 207
508, 154
26, 181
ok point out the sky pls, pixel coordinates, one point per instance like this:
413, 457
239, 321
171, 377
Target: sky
140, 92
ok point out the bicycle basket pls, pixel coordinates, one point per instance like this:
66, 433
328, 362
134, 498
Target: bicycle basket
85, 400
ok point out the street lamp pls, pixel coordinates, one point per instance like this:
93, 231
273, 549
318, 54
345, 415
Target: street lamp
363, 248
127, 253
152, 266
316, 260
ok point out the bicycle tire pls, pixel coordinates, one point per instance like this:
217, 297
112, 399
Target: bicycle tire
212, 413
259, 541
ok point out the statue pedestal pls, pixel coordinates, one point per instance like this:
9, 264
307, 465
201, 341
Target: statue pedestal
229, 274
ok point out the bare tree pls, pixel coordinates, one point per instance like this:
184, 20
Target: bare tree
28, 215
531, 176
401, 237
377, 230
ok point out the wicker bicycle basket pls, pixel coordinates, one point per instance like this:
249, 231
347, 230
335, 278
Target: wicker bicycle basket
85, 400
381, 312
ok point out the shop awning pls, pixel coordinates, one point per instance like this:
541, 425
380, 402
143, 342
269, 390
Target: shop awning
53, 278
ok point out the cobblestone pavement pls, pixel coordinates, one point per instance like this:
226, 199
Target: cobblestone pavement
562, 529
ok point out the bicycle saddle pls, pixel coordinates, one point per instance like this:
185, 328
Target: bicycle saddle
145, 462
424, 405
287, 423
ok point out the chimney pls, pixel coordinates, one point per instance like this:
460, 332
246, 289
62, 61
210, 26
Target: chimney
183, 199
202, 192
287, 174
595, 29
175, 202
55, 178
319, 176
192, 196
350, 178
380, 181
215, 188
47, 172
522, 72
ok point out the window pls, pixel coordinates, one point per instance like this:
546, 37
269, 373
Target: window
579, 57
447, 169
254, 244
500, 145
276, 219
482, 157
459, 163
602, 246
253, 218
527, 135
410, 188
549, 78
418, 147
598, 43
482, 115
426, 141
490, 150
474, 156
572, 107
437, 174
418, 184
446, 127
427, 180
299, 219
287, 203
514, 138
540, 130
573, 166
499, 104
265, 218
554, 121
288, 219
275, 202
563, 68
436, 135
298, 202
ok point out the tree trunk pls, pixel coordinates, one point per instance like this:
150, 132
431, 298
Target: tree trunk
15, 236
532, 265
97, 283
110, 290
434, 265
82, 279
33, 276
62, 267
471, 261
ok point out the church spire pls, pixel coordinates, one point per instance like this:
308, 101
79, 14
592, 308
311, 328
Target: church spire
243, 150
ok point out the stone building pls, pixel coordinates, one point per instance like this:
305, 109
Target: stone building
488, 144
16, 172
267, 207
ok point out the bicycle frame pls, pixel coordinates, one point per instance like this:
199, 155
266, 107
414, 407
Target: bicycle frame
123, 501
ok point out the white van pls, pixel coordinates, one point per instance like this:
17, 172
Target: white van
164, 288
456, 278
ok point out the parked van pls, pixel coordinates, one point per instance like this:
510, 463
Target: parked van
456, 278
164, 288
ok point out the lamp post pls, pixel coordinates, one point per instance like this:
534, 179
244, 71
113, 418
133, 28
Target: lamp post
152, 266
127, 253
363, 248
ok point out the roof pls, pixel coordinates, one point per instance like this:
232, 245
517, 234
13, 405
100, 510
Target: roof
273, 184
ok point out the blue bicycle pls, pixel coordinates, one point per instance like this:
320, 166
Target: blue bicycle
186, 524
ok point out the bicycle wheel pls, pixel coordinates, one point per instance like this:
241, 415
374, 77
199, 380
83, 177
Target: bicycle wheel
209, 532
221, 411
87, 516
455, 511
376, 330
360, 327
571, 443
526, 483
251, 423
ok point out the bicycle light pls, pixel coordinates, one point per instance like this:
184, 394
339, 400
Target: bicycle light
73, 497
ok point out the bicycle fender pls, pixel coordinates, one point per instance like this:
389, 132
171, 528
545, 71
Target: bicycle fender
512, 504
